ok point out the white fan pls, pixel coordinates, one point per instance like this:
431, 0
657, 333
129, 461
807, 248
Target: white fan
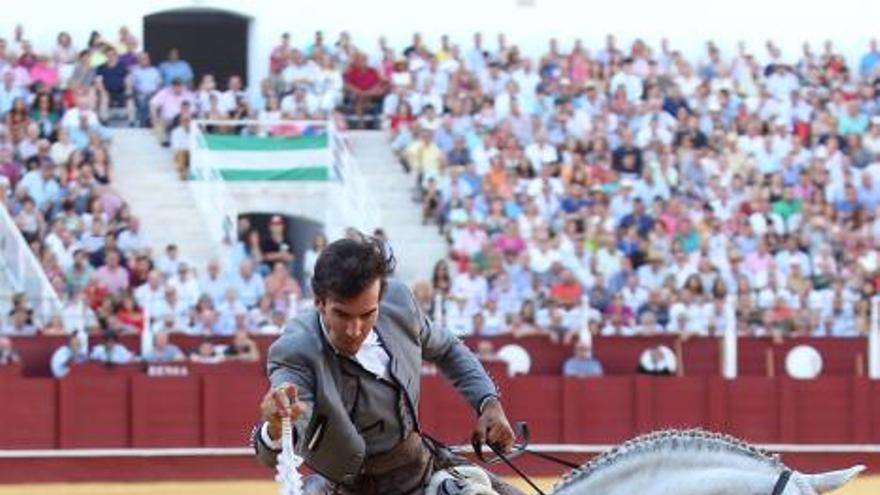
517, 358
803, 363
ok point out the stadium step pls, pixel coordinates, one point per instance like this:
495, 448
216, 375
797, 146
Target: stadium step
146, 178
417, 247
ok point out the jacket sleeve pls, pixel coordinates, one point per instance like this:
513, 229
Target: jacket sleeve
284, 365
457, 363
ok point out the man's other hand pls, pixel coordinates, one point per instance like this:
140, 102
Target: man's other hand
493, 428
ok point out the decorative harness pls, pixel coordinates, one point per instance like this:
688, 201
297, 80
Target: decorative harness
522, 430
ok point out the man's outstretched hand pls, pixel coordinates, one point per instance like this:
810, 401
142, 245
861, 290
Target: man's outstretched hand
279, 402
493, 428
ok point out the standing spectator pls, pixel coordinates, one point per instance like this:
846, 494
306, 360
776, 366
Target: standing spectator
276, 248
68, 355
582, 364
319, 242
8, 355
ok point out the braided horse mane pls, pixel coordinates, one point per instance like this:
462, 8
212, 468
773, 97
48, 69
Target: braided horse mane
693, 440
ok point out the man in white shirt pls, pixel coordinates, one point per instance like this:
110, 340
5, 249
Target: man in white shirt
541, 152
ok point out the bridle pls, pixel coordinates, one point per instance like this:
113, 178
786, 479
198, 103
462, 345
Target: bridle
521, 430
781, 482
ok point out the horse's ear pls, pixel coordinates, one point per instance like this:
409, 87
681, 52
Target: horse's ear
832, 480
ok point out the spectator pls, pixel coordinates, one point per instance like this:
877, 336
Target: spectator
281, 287
582, 364
146, 81
206, 353
113, 275
66, 356
114, 86
175, 70
8, 354
275, 247
111, 351
248, 284
163, 351
365, 87
167, 105
243, 348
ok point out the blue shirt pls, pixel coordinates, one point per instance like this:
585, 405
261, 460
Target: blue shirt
176, 69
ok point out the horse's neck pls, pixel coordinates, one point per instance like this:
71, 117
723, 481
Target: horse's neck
678, 473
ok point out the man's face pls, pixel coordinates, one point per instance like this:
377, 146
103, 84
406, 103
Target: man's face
350, 322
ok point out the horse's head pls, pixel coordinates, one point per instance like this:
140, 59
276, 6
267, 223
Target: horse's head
817, 484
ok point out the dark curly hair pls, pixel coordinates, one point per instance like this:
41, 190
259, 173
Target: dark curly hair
348, 266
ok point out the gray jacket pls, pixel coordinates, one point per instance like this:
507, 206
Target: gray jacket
325, 434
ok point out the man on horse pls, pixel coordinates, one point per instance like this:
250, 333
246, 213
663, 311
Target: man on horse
347, 373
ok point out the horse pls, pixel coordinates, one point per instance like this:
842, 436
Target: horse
671, 462
694, 462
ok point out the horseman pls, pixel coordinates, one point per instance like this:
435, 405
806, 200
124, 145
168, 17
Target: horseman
347, 373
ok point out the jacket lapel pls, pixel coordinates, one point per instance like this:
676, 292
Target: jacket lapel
386, 335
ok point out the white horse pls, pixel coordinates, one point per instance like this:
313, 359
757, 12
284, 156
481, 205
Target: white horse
694, 462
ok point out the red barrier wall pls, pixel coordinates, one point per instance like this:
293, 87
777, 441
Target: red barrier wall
619, 355
215, 407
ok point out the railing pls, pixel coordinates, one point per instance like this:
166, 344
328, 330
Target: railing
23, 271
354, 204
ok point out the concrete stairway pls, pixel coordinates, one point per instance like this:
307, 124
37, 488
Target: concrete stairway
147, 180
416, 246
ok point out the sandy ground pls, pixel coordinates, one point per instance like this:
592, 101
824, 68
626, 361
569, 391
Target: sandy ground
864, 486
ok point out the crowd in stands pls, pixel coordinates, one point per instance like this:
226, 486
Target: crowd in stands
56, 182
615, 190
629, 190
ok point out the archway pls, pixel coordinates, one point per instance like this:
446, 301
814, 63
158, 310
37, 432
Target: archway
299, 234
213, 41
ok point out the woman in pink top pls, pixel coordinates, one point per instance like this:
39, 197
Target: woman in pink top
44, 73
579, 64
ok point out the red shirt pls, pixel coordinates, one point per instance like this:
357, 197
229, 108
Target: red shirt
363, 77
567, 293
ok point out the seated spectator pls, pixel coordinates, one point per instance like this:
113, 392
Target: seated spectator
206, 353
113, 275
582, 364
364, 86
146, 81
166, 107
20, 322
243, 348
185, 284
248, 284
163, 351
281, 287
130, 316
173, 69
111, 351
66, 356
8, 355
114, 86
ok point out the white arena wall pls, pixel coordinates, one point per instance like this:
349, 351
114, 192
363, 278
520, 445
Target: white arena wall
527, 23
